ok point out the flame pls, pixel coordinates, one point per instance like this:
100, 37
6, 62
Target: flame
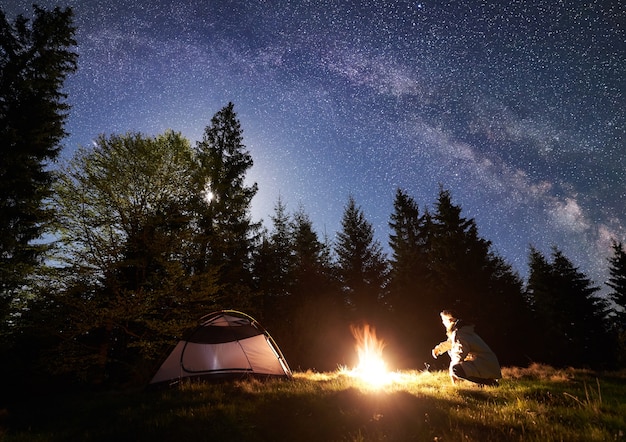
371, 367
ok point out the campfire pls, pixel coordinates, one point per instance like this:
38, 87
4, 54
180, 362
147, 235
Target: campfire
371, 371
371, 367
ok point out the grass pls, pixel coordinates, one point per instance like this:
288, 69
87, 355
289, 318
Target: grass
531, 404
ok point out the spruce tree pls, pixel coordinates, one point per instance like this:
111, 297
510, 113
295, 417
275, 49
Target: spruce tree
409, 243
35, 59
362, 265
410, 297
225, 227
544, 307
468, 276
281, 241
457, 255
317, 317
617, 283
314, 272
274, 266
296, 277
572, 318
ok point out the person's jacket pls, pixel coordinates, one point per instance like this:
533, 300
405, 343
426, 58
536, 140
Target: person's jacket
465, 347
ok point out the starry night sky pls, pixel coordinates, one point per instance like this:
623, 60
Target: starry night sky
517, 107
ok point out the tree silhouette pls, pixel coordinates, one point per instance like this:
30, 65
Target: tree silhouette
35, 60
444, 263
410, 296
317, 317
362, 265
225, 226
409, 242
274, 269
617, 283
277, 257
296, 276
458, 255
570, 317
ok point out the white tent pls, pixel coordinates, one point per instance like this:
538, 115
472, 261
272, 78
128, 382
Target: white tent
225, 344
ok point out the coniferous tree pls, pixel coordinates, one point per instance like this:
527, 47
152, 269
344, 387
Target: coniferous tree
511, 327
617, 283
314, 271
457, 256
571, 317
317, 318
274, 268
410, 299
277, 277
362, 265
225, 227
543, 303
409, 243
467, 276
295, 275
35, 59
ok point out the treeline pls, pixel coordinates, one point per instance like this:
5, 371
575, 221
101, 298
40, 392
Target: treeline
151, 232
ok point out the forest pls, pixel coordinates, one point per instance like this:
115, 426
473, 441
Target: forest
106, 261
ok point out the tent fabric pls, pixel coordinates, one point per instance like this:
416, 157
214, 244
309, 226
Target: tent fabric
227, 342
223, 329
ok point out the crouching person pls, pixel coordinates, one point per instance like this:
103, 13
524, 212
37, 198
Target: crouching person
470, 357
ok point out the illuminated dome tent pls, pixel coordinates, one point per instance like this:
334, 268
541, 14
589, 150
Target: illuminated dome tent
225, 344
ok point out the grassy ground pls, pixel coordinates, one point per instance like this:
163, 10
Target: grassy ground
533, 404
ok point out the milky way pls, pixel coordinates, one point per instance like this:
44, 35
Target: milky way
517, 107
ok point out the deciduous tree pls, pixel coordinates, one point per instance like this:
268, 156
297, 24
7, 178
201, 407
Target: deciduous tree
130, 284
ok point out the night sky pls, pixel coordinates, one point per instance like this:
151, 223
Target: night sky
517, 107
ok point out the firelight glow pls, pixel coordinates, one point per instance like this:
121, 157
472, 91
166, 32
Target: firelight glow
371, 368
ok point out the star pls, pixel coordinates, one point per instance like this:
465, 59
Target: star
517, 108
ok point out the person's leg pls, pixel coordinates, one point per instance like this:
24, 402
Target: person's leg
453, 377
457, 372
483, 381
